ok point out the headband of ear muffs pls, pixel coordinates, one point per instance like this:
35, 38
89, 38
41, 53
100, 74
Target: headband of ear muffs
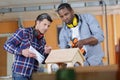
74, 23
37, 34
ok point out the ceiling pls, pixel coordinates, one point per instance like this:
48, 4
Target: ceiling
20, 3
29, 9
16, 3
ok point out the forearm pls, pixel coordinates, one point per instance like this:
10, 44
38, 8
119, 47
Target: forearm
90, 41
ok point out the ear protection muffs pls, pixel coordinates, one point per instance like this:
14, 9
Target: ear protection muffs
37, 34
74, 23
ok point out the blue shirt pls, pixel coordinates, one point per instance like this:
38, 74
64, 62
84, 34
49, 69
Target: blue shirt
20, 40
88, 27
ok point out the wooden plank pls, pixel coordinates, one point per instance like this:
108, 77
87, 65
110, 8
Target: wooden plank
63, 55
85, 73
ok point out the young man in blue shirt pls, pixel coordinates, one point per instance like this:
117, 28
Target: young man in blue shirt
84, 28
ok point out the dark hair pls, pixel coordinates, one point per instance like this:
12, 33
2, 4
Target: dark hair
64, 5
44, 16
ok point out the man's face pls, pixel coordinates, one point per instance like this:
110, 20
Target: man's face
43, 25
66, 15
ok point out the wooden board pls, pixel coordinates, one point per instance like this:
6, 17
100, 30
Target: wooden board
63, 55
86, 73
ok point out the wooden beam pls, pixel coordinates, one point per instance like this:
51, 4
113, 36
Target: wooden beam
85, 73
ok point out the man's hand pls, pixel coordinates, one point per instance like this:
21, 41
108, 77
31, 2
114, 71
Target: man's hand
77, 43
47, 49
27, 53
80, 44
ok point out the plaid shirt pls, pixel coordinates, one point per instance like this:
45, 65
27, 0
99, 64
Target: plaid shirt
20, 40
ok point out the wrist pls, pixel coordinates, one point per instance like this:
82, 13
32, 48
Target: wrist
84, 42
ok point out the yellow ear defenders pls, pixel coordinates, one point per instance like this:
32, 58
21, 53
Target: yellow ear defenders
74, 23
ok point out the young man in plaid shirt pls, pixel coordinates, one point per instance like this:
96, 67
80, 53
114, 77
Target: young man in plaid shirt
18, 44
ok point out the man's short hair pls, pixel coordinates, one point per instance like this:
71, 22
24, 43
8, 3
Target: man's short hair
64, 5
44, 16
